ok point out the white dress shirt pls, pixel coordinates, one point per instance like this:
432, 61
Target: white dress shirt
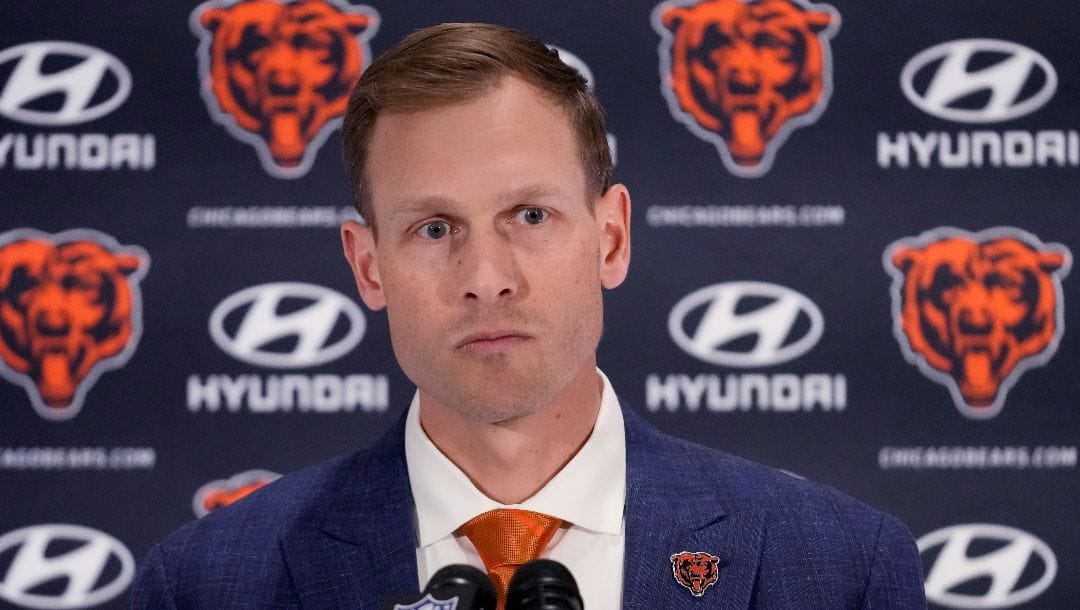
588, 494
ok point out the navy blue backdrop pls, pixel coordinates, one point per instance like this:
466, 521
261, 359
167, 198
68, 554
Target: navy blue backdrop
853, 232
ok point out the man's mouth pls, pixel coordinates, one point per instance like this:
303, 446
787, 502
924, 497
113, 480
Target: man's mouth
493, 341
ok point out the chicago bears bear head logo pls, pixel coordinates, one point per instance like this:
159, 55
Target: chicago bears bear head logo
221, 493
278, 74
744, 74
695, 571
70, 309
974, 311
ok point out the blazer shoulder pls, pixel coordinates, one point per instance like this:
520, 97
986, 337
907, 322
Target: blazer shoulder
806, 527
237, 547
738, 484
744, 485
269, 509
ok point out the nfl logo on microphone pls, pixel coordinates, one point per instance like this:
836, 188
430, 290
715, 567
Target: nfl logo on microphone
430, 603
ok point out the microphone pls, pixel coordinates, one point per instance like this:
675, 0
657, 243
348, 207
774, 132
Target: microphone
458, 587
464, 581
543, 585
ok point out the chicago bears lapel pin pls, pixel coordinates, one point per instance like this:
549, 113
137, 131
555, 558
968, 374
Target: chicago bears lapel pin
695, 571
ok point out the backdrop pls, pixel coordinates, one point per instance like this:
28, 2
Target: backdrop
853, 225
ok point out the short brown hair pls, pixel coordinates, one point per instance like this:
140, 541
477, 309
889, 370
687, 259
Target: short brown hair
450, 63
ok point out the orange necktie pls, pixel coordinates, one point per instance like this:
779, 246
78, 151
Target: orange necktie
506, 538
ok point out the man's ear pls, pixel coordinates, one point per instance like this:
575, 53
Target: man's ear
359, 244
613, 219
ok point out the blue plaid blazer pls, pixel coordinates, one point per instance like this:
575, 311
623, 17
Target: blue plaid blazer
340, 535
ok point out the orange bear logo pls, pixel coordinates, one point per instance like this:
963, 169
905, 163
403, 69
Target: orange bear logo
695, 571
70, 308
744, 74
221, 493
278, 74
974, 311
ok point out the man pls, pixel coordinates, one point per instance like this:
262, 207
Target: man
480, 164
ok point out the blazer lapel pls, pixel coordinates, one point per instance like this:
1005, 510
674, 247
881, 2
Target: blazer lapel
361, 547
669, 510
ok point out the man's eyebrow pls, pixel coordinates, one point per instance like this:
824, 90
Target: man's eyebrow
421, 206
441, 204
529, 192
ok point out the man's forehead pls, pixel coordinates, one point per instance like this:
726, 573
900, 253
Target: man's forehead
511, 142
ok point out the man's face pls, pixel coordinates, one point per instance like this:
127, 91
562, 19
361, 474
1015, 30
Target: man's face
489, 260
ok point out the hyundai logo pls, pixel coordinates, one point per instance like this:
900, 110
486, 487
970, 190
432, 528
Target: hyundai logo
1014, 555
978, 80
746, 324
91, 87
287, 325
91, 569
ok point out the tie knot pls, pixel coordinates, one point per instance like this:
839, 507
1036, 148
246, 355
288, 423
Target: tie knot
509, 536
506, 538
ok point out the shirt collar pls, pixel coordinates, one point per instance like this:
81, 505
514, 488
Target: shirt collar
588, 492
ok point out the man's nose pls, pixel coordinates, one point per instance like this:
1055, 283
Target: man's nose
489, 268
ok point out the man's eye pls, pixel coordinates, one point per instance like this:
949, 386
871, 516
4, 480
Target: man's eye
533, 216
436, 229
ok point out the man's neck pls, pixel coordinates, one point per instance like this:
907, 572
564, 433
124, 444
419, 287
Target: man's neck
510, 461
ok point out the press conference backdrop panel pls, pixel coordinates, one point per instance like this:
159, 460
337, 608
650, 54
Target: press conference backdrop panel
853, 230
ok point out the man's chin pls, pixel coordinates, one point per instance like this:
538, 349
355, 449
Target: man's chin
496, 388
488, 407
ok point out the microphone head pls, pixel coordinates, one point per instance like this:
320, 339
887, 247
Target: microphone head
453, 579
543, 585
